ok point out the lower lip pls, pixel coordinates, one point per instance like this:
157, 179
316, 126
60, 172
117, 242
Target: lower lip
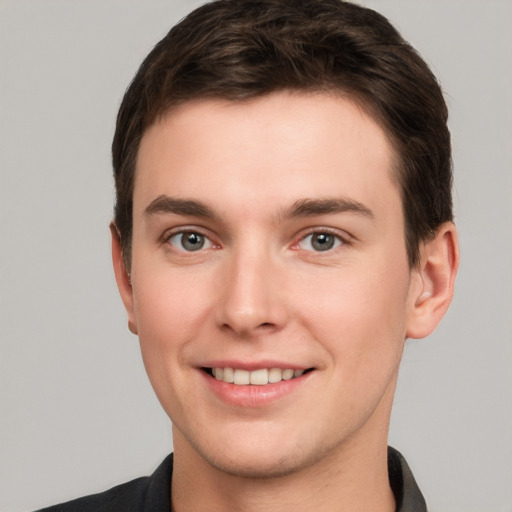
253, 396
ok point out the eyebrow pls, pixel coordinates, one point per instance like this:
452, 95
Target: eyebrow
167, 205
302, 208
312, 207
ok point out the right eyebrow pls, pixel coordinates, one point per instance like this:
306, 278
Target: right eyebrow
166, 204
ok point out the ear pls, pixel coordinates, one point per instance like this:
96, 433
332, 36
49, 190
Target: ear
432, 282
122, 277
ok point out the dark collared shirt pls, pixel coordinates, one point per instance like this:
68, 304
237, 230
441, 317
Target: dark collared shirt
153, 493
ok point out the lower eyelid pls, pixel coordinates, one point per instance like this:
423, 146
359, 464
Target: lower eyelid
209, 243
168, 238
339, 238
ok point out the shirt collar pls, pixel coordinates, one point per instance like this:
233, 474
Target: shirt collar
407, 493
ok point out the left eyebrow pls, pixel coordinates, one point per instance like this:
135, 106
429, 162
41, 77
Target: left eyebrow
311, 207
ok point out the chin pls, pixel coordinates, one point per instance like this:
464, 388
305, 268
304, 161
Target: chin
259, 457
258, 466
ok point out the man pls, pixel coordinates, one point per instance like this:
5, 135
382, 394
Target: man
283, 224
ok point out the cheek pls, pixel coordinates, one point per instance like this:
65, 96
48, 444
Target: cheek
170, 308
359, 313
170, 314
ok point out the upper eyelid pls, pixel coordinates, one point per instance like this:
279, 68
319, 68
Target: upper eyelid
341, 234
165, 238
183, 234
170, 232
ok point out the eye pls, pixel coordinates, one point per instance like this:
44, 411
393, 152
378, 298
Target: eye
189, 241
320, 242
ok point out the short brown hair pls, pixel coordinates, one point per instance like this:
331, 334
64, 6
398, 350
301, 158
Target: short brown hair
241, 49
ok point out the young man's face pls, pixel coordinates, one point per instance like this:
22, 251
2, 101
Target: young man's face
269, 235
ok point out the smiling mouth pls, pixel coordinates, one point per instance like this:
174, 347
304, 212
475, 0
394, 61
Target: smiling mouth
260, 377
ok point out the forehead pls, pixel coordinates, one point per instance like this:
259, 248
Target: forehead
272, 149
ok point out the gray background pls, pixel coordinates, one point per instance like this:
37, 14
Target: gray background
77, 413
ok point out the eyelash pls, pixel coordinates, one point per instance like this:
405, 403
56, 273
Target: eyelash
182, 233
339, 241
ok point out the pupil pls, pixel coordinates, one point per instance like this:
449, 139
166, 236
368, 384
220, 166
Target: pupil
193, 241
323, 242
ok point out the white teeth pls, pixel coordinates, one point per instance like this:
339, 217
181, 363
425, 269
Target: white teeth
241, 377
229, 375
275, 375
287, 374
259, 377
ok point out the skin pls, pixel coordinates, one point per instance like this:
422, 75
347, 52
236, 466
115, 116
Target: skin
259, 290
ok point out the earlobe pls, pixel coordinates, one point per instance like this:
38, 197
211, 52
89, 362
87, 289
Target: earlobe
433, 282
122, 277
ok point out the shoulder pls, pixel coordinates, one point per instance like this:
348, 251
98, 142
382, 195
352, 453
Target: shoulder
139, 495
127, 496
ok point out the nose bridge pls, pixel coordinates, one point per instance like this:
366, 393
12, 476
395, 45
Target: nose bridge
250, 298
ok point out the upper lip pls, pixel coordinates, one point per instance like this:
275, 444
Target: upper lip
252, 365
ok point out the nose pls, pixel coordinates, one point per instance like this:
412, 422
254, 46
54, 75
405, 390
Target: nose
252, 299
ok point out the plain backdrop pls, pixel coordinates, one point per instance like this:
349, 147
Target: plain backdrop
77, 414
